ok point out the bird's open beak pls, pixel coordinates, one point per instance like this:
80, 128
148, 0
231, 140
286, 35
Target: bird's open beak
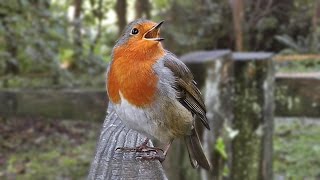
153, 33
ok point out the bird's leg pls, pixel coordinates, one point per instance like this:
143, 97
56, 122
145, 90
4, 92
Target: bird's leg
142, 148
167, 148
158, 155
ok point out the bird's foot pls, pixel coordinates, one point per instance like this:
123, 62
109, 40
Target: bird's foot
147, 152
153, 155
142, 148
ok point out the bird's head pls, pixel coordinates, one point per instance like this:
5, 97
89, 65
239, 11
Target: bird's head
140, 35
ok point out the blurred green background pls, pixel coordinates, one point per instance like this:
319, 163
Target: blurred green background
66, 44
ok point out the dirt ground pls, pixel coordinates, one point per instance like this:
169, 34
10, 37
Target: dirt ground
36, 148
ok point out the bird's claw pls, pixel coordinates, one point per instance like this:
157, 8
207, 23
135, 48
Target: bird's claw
157, 155
139, 149
147, 153
128, 149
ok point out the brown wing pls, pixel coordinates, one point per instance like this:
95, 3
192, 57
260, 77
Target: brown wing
187, 92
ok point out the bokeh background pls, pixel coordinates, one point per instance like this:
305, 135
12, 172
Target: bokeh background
57, 51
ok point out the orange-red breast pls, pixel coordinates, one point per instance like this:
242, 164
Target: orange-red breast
153, 92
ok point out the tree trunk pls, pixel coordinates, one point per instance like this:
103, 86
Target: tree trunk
77, 38
315, 23
11, 63
99, 15
142, 8
121, 10
238, 20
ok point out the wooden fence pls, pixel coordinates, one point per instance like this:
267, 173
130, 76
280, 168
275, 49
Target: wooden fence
239, 95
296, 95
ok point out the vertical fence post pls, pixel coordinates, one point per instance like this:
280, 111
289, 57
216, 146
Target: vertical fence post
252, 148
213, 73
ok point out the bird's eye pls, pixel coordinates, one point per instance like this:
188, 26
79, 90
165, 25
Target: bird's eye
134, 31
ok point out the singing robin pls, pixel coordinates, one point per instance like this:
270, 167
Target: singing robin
154, 93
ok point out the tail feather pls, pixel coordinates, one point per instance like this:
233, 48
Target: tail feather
195, 151
192, 156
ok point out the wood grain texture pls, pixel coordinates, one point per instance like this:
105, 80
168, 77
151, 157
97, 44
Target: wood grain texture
110, 163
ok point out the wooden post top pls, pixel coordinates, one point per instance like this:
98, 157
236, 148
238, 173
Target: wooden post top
200, 57
110, 163
247, 56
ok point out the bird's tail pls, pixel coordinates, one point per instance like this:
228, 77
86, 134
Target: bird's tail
195, 151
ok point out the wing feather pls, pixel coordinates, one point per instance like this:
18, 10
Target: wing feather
187, 92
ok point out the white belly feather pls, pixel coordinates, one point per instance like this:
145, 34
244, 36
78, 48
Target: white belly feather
154, 121
135, 118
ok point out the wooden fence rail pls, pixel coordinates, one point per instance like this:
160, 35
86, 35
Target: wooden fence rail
297, 95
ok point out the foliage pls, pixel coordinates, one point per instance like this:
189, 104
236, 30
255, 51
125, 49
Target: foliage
298, 46
299, 35
220, 148
192, 25
206, 25
297, 149
38, 37
302, 45
309, 65
45, 38
35, 34
292, 18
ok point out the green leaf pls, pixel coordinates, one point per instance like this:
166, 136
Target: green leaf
226, 171
220, 148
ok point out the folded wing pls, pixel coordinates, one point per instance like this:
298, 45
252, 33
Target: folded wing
187, 92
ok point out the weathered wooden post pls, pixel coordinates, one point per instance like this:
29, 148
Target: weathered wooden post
111, 164
251, 149
213, 73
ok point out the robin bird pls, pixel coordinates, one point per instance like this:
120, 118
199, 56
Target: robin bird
154, 93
